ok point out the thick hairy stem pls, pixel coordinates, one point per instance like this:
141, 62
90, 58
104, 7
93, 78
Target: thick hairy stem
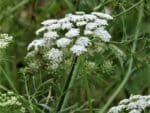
68, 85
129, 70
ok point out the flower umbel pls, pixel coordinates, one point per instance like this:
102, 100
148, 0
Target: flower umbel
8, 101
74, 32
135, 104
5, 40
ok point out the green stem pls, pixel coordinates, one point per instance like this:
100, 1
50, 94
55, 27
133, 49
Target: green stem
88, 94
3, 88
8, 79
127, 10
129, 70
87, 86
103, 3
68, 85
28, 95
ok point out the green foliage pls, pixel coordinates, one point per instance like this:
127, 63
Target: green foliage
99, 76
10, 103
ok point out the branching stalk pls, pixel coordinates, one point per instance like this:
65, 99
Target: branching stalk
129, 70
68, 85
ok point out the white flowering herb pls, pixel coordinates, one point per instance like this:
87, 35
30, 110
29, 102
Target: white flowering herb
74, 32
55, 56
10, 102
78, 49
36, 44
103, 34
135, 104
83, 41
5, 40
63, 42
103, 15
51, 35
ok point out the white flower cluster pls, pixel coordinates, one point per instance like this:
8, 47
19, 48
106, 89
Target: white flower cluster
9, 99
135, 104
55, 56
5, 40
74, 31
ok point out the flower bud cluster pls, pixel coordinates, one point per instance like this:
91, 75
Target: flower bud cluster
9, 100
107, 68
135, 104
5, 40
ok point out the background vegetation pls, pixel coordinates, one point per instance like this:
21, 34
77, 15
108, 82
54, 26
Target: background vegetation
117, 77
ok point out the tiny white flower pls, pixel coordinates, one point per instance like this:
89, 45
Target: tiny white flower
54, 65
3, 44
91, 64
40, 30
103, 15
135, 104
63, 20
135, 97
54, 26
117, 109
9, 101
65, 24
124, 101
148, 102
75, 18
51, 35
132, 105
78, 50
73, 32
135, 111
80, 13
81, 23
146, 97
88, 32
55, 55
22, 110
103, 34
142, 103
83, 41
5, 40
101, 22
49, 22
63, 42
91, 26
36, 44
114, 110
90, 17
